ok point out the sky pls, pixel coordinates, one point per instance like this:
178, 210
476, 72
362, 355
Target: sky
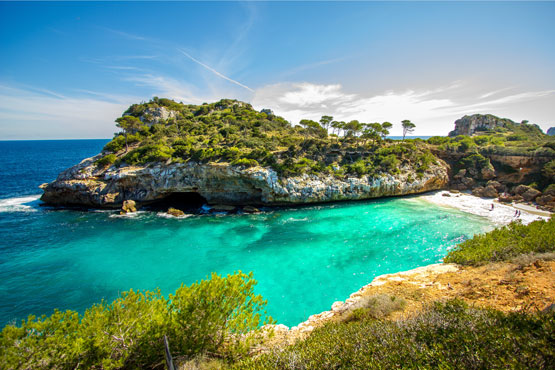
68, 70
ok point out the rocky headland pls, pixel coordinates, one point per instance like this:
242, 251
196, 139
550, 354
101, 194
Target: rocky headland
227, 155
222, 183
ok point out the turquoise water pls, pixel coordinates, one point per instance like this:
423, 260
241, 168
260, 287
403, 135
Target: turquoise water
304, 258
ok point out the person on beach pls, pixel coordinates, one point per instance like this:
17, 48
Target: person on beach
516, 212
491, 207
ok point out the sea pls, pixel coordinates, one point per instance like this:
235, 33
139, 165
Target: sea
304, 258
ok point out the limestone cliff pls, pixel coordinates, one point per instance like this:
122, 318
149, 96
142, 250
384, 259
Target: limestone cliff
468, 125
220, 183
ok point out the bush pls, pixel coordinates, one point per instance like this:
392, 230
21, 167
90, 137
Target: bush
446, 336
245, 162
106, 160
377, 306
505, 243
217, 317
148, 153
118, 142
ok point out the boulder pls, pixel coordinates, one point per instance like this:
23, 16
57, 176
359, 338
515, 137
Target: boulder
520, 189
128, 206
497, 185
453, 191
543, 200
250, 209
460, 174
175, 212
477, 191
489, 192
549, 191
531, 194
445, 195
487, 173
505, 199
463, 183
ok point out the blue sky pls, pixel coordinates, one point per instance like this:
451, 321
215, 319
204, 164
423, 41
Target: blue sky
69, 69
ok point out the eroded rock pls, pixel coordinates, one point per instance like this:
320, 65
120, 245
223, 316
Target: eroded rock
128, 206
224, 184
175, 212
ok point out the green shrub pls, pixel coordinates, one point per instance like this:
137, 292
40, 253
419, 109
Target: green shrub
548, 170
445, 336
148, 153
106, 160
505, 243
390, 163
245, 162
217, 317
376, 306
118, 142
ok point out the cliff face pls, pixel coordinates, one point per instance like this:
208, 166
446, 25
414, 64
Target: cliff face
468, 125
221, 183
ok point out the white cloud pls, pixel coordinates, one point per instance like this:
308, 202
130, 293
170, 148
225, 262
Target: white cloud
165, 87
32, 113
432, 110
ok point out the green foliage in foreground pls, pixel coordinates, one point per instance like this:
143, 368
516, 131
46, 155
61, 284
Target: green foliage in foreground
219, 317
505, 243
446, 336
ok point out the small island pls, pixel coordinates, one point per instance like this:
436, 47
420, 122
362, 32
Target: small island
230, 156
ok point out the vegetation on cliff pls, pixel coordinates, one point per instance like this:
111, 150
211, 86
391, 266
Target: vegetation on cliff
505, 243
233, 132
479, 154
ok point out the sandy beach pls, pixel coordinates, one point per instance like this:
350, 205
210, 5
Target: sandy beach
501, 214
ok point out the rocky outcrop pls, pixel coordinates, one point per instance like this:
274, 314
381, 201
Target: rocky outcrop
551, 131
175, 212
128, 206
468, 125
220, 183
153, 116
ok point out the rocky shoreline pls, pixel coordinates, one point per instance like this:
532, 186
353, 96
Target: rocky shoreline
223, 184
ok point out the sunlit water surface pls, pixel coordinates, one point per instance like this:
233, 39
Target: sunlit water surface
304, 259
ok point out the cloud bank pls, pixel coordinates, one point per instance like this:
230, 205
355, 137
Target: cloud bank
433, 111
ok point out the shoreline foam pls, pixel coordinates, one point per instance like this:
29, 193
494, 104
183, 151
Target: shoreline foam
26, 203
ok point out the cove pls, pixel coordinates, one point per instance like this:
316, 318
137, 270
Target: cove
304, 258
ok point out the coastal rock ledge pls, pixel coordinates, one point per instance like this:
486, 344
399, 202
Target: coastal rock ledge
88, 185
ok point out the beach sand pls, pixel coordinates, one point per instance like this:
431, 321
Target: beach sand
502, 214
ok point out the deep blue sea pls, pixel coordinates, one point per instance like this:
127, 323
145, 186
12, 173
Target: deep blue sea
303, 258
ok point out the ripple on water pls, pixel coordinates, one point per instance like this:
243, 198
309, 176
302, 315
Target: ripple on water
304, 259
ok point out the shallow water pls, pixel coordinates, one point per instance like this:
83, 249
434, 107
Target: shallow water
304, 259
